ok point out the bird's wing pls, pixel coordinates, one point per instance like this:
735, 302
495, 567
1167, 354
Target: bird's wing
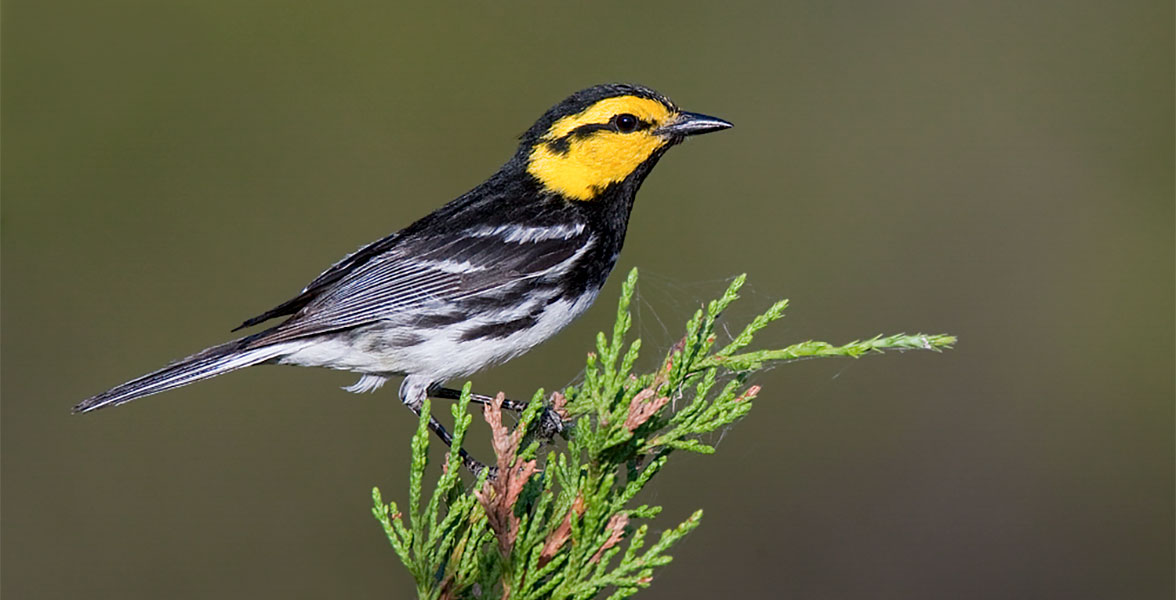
422, 269
336, 272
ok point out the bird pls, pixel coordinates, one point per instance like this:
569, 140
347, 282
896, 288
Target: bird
480, 280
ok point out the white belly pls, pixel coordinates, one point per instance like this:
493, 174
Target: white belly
397, 347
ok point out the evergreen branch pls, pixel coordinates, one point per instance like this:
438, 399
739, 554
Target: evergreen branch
564, 525
752, 361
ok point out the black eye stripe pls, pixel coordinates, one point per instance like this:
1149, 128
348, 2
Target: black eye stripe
562, 144
586, 130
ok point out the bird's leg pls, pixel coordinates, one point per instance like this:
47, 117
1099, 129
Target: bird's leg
471, 463
414, 397
444, 393
550, 422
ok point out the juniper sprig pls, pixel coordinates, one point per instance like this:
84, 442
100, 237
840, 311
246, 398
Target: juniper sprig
565, 525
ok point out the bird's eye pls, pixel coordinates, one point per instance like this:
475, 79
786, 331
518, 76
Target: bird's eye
625, 123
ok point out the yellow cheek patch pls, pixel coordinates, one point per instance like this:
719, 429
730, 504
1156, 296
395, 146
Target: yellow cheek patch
591, 164
602, 157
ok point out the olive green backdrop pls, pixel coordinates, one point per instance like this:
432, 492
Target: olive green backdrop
999, 170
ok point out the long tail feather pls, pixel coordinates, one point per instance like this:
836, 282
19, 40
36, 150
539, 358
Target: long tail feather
206, 364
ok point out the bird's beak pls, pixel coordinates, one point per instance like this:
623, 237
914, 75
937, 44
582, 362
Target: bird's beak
689, 123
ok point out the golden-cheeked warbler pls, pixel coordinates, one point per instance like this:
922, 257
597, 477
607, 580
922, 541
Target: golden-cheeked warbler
480, 280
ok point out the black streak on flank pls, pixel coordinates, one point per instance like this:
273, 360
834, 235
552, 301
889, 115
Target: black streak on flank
500, 330
439, 320
382, 345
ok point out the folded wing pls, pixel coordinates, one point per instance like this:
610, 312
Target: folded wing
419, 270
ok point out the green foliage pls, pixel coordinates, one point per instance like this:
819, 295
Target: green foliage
565, 525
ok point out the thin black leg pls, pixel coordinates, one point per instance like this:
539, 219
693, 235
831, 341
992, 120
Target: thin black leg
550, 423
470, 462
444, 393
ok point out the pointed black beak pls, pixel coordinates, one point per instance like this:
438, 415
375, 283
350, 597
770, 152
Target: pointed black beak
689, 123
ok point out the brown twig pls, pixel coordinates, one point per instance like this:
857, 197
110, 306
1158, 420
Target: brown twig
559, 404
616, 528
642, 407
499, 494
748, 394
556, 539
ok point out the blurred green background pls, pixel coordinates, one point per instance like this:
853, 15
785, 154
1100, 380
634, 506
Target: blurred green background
1002, 171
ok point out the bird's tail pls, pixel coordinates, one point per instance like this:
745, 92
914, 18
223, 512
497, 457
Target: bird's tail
208, 363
